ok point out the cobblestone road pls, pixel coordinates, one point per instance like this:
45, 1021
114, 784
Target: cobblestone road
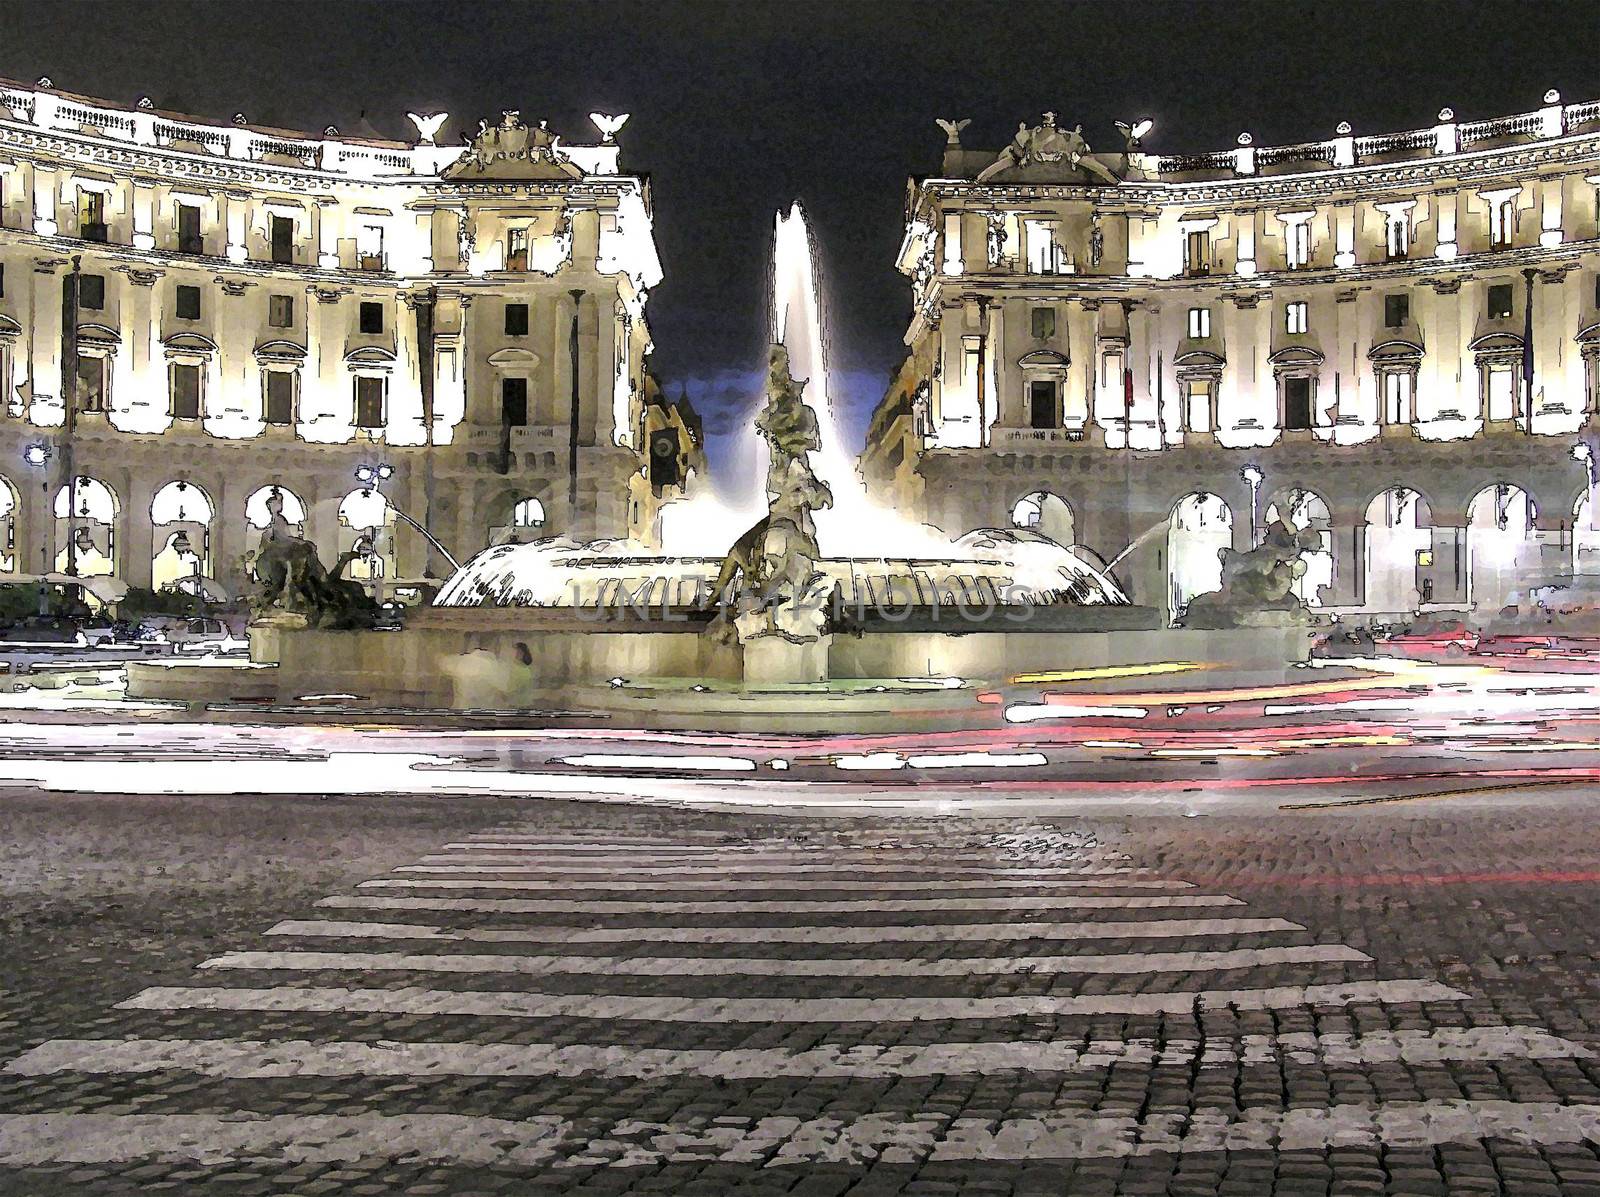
518, 998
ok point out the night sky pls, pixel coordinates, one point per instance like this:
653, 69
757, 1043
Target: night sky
740, 108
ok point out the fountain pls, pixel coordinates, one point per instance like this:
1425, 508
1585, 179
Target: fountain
805, 621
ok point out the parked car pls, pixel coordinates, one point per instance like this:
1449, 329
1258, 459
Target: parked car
41, 631
201, 634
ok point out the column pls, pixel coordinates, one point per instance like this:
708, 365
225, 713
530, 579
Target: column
405, 386
135, 536
44, 202
144, 214
44, 332
138, 386
1348, 531
235, 212
325, 232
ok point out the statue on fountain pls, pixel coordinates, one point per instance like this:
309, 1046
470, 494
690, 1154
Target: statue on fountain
783, 598
292, 587
1258, 584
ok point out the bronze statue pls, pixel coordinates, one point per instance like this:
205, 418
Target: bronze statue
1258, 581
290, 577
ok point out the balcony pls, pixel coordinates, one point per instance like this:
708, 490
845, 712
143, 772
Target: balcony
192, 245
1038, 436
94, 230
373, 262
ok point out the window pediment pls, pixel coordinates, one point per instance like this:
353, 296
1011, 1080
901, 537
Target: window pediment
1296, 355
1587, 336
280, 351
1199, 359
1396, 349
370, 355
1044, 359
9, 327
186, 342
1496, 342
525, 359
98, 336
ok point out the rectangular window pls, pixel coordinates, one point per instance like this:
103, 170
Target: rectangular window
1197, 406
92, 215
280, 311
1500, 301
92, 291
1397, 397
282, 228
369, 247
516, 319
1042, 404
514, 402
188, 303
1197, 252
1199, 323
280, 397
1299, 244
1296, 317
1046, 254
1502, 399
369, 401
185, 392
517, 248
1396, 310
1397, 233
1044, 323
1502, 222
1297, 404
189, 239
91, 384
372, 317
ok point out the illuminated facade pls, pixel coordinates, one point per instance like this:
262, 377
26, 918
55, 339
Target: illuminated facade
262, 313
1173, 351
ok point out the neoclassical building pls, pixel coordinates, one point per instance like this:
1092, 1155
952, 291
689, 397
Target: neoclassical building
368, 335
1392, 339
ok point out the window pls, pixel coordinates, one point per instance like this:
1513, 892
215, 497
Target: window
1297, 404
369, 247
280, 311
1397, 397
282, 230
1298, 245
187, 306
372, 317
517, 248
1502, 221
369, 401
92, 291
1296, 318
514, 402
280, 397
1199, 323
189, 239
1197, 252
1046, 254
2, 280
1500, 301
1396, 310
1197, 406
1044, 323
91, 383
1397, 234
92, 215
1502, 392
185, 391
529, 513
1042, 404
516, 319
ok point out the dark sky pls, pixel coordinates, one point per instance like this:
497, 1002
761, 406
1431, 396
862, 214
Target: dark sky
740, 108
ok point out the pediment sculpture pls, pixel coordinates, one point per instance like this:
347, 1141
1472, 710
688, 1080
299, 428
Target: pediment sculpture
513, 150
1048, 145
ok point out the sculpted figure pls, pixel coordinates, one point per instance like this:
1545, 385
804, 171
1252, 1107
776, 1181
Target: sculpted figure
289, 577
1257, 580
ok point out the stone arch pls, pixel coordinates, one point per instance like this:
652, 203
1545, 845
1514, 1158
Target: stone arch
11, 554
366, 528
181, 519
92, 525
1502, 545
1047, 513
1304, 510
1199, 527
1398, 548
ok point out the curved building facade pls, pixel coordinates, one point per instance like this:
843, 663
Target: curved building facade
202, 324
1391, 339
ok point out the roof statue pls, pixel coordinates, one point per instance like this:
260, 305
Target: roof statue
608, 125
952, 129
513, 150
1047, 144
427, 126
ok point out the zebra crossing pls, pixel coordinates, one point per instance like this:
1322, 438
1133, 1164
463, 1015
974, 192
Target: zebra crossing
673, 1001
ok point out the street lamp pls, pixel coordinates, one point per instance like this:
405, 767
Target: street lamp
37, 456
1253, 476
1583, 452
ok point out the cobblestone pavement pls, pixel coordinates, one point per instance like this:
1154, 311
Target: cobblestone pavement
468, 997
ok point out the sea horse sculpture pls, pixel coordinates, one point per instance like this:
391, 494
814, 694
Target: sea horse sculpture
782, 591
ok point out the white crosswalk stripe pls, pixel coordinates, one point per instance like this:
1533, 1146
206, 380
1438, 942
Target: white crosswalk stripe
810, 934
848, 933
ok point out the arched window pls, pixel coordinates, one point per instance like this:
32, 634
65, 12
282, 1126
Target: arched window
528, 513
